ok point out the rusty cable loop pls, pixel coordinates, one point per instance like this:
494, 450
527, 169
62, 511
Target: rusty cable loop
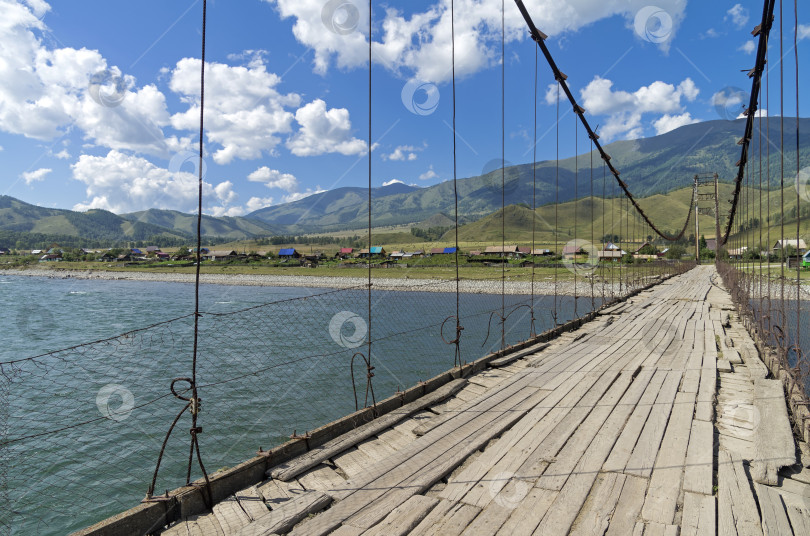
504, 318
456, 342
369, 386
193, 404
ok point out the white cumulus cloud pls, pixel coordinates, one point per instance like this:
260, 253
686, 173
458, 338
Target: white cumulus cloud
256, 203
668, 122
625, 109
748, 47
738, 16
419, 43
122, 183
295, 196
273, 178
324, 131
47, 91
392, 181
37, 175
245, 113
403, 152
429, 174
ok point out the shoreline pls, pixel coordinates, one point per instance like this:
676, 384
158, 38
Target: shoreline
565, 288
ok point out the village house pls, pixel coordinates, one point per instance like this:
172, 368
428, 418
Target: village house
221, 255
344, 253
502, 251
781, 244
288, 253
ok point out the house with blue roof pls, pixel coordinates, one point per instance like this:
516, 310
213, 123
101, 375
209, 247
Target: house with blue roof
288, 253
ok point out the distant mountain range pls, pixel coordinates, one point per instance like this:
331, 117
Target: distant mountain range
649, 166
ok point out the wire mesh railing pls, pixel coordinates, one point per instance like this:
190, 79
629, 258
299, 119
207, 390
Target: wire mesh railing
82, 427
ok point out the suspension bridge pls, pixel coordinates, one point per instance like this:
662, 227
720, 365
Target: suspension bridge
661, 398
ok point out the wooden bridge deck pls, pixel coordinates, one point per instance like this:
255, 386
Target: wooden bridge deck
653, 419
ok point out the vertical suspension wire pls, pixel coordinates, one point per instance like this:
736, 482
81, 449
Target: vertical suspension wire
457, 359
759, 278
576, 209
769, 317
534, 190
556, 201
194, 402
503, 175
604, 193
798, 200
594, 265
369, 366
783, 249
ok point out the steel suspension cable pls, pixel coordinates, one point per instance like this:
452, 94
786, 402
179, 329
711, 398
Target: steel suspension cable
539, 37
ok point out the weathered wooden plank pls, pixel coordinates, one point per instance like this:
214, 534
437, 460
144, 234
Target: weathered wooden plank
180, 528
594, 517
450, 519
699, 518
441, 450
511, 358
700, 458
321, 478
798, 510
205, 525
353, 462
665, 482
773, 437
628, 508
230, 515
708, 384
490, 520
404, 518
375, 449
632, 429
285, 517
526, 516
395, 438
331, 448
524, 437
736, 507
252, 502
774, 517
564, 463
430, 467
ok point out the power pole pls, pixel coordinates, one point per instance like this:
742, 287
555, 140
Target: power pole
707, 179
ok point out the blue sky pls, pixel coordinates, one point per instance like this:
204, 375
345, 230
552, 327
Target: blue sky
99, 100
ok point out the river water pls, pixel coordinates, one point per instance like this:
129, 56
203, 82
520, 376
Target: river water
81, 425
